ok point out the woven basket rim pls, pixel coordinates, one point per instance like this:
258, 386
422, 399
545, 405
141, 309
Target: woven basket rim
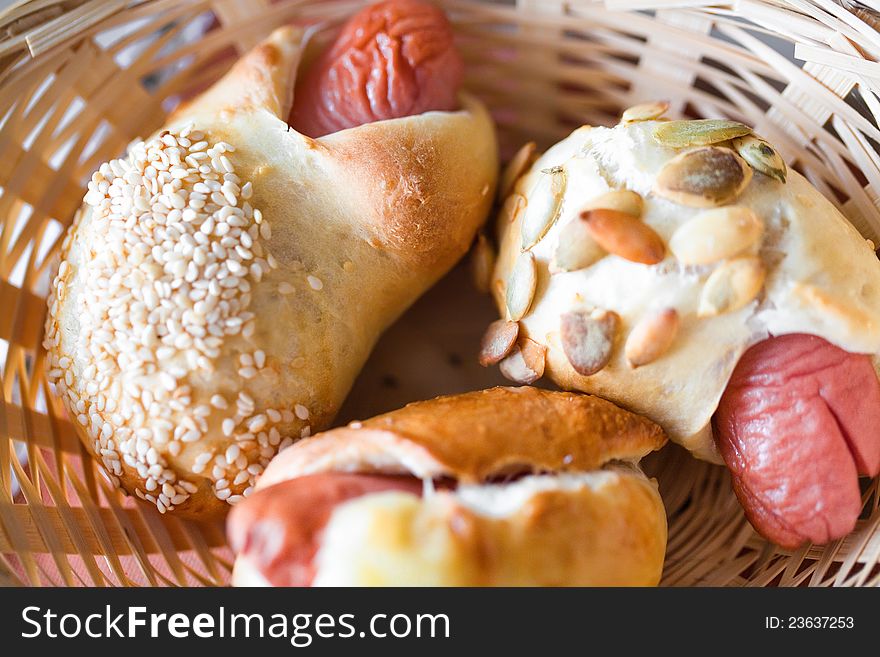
577, 60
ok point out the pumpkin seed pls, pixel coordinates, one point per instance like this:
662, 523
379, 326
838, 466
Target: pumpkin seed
703, 177
625, 236
588, 339
651, 337
644, 112
731, 286
512, 207
622, 200
521, 286
715, 235
482, 264
700, 132
525, 364
515, 169
761, 156
545, 201
497, 342
576, 248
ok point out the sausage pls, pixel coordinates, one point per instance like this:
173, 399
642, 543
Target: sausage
796, 426
280, 527
392, 59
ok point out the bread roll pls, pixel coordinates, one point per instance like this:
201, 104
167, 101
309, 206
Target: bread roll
747, 250
224, 283
530, 487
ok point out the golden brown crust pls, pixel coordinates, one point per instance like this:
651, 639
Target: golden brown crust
263, 78
412, 198
613, 536
569, 538
484, 433
478, 435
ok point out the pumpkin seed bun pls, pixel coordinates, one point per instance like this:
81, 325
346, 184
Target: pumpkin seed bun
639, 262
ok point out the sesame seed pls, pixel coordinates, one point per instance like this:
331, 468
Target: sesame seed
301, 412
157, 304
191, 437
315, 282
188, 487
257, 423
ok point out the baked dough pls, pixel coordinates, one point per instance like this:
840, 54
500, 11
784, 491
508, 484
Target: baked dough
548, 493
201, 322
822, 277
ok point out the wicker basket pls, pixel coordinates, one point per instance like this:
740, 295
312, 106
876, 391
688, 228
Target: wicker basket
80, 79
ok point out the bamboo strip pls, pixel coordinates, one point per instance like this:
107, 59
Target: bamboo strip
49, 34
33, 540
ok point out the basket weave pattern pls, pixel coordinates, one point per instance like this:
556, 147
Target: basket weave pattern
80, 79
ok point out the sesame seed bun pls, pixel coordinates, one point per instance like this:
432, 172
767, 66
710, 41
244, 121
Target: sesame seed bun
224, 283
